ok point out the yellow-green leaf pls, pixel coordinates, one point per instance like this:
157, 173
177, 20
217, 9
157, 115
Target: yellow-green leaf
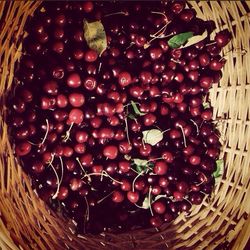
95, 36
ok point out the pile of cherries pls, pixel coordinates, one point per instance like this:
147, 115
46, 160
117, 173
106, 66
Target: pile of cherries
77, 117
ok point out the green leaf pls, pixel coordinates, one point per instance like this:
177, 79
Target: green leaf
131, 116
95, 36
136, 110
219, 168
141, 165
206, 105
152, 136
146, 203
179, 39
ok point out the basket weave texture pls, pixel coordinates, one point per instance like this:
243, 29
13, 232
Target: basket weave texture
221, 221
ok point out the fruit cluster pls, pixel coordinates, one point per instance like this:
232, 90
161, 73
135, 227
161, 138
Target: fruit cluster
124, 138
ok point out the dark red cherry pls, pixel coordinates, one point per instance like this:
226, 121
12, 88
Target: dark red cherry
133, 197
74, 80
124, 78
110, 152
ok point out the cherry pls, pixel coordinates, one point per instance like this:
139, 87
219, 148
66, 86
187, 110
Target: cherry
86, 160
76, 116
216, 65
124, 78
187, 15
133, 197
58, 47
185, 206
23, 148
159, 207
81, 136
145, 150
117, 197
204, 59
37, 167
125, 147
90, 56
63, 193
126, 185
76, 99
140, 184
87, 6
160, 168
145, 77
119, 135
177, 6
178, 196
182, 186
80, 148
207, 115
124, 166
222, 38
149, 119
155, 53
90, 83
110, 152
136, 91
75, 184
106, 133
156, 221
168, 217
74, 80
196, 198
163, 182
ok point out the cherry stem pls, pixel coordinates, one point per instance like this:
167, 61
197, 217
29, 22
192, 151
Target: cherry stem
133, 183
188, 201
197, 127
143, 143
83, 170
117, 13
160, 13
104, 173
46, 133
67, 136
61, 161
134, 170
45, 136
210, 43
87, 210
104, 198
99, 68
155, 159
57, 177
126, 128
184, 137
149, 198
164, 131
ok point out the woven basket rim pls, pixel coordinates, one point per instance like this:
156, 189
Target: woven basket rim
226, 213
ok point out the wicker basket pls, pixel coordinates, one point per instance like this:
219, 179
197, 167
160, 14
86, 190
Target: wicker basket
221, 222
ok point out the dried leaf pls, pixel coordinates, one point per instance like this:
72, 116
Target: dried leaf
95, 36
195, 39
179, 39
152, 136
